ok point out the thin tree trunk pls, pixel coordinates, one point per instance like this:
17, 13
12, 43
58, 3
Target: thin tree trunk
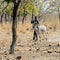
9, 18
1, 18
59, 16
18, 18
32, 14
14, 22
23, 15
23, 20
59, 13
5, 19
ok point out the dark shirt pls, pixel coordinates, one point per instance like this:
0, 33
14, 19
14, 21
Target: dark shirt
34, 22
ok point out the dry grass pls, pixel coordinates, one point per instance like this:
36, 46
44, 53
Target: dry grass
25, 46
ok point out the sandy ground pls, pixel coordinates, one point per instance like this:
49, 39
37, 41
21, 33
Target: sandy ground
26, 47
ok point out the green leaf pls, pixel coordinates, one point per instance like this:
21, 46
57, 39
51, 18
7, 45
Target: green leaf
8, 1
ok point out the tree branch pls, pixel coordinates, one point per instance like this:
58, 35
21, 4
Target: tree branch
45, 11
2, 3
5, 7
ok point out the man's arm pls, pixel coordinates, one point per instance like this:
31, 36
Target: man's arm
37, 22
32, 21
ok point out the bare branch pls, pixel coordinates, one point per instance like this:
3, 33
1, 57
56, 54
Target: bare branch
45, 11
5, 7
2, 3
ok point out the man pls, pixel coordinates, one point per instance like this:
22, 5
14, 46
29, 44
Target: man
35, 23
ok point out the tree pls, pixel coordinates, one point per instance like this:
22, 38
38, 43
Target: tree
8, 12
55, 6
14, 22
26, 9
2, 9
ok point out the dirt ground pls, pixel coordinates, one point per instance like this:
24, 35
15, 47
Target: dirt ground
26, 48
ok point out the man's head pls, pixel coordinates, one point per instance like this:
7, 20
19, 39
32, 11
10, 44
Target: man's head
35, 17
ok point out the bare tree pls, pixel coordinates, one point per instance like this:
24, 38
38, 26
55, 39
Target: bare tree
14, 22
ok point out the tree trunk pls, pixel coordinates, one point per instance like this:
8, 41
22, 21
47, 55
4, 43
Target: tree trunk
18, 18
5, 19
23, 20
14, 22
9, 18
59, 13
1, 18
32, 14
59, 16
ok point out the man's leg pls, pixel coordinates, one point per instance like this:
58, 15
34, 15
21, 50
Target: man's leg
34, 35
